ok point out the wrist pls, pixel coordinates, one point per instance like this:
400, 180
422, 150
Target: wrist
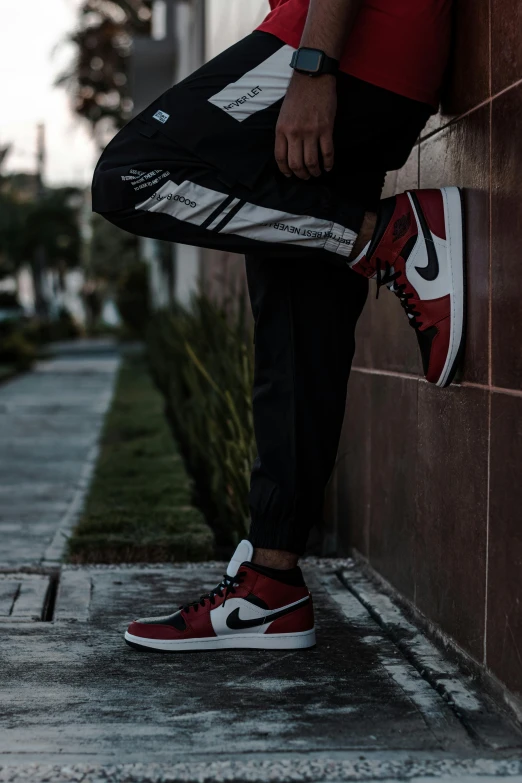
304, 78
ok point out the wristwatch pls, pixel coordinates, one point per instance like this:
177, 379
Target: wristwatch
313, 62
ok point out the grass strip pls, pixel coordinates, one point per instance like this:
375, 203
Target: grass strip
139, 507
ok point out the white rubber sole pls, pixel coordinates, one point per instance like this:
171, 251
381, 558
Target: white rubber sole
246, 641
453, 220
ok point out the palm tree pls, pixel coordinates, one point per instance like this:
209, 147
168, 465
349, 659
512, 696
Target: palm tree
47, 228
98, 78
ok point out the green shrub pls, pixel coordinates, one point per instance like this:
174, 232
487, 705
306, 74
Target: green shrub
9, 301
17, 350
65, 326
44, 330
202, 361
133, 298
48, 330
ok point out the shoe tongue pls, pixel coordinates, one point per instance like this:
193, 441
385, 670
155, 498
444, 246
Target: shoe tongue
243, 554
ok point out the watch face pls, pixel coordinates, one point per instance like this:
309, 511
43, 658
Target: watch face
309, 60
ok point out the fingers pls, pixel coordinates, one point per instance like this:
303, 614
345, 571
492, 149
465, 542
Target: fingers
300, 156
327, 151
281, 154
311, 156
296, 157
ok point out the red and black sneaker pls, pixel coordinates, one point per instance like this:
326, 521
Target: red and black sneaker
417, 251
248, 609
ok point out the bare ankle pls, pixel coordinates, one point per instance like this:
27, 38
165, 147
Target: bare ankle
275, 558
365, 234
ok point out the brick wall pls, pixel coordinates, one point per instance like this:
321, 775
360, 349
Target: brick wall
428, 482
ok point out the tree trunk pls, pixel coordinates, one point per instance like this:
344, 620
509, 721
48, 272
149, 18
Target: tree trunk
38, 269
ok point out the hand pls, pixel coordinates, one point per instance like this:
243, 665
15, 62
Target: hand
305, 126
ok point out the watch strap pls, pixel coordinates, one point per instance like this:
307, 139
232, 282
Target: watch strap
329, 65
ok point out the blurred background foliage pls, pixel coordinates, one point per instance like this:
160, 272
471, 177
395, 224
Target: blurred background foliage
201, 356
114, 269
202, 361
39, 232
97, 80
49, 222
46, 230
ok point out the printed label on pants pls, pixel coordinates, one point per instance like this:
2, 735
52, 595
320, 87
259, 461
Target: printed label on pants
257, 89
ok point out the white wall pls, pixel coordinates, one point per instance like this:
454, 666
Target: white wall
187, 272
150, 253
227, 21
189, 35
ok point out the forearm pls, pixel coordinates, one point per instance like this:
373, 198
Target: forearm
329, 24
306, 120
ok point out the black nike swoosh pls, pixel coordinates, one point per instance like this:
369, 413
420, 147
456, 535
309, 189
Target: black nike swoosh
236, 624
431, 271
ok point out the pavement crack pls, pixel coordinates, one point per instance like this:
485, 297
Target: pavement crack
263, 666
15, 598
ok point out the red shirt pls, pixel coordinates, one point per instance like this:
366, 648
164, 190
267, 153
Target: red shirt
401, 45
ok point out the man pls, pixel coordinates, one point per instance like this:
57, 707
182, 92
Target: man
278, 148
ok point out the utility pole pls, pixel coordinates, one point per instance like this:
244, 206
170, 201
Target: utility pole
40, 157
39, 260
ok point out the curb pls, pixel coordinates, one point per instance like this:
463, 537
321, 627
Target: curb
312, 770
54, 552
456, 686
53, 555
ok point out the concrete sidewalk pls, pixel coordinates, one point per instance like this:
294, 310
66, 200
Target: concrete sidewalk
50, 420
79, 704
375, 700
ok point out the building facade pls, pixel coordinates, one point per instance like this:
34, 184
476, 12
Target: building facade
427, 487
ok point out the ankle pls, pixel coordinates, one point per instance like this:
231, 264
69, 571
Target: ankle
365, 234
275, 558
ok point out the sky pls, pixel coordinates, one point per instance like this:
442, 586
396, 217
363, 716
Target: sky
29, 63
33, 53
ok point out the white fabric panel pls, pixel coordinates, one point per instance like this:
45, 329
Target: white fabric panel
271, 225
340, 240
186, 201
257, 89
194, 203
223, 214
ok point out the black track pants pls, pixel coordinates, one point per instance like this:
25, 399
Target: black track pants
197, 167
305, 322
